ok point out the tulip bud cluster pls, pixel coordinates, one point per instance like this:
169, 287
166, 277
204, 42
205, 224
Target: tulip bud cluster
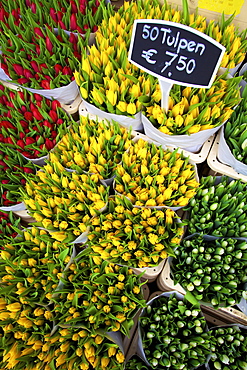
93, 147
33, 266
41, 58
63, 202
13, 169
30, 123
8, 226
193, 110
98, 295
137, 237
152, 176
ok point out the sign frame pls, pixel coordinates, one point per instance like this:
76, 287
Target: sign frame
182, 27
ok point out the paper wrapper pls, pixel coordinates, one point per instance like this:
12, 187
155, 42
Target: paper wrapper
125, 121
192, 143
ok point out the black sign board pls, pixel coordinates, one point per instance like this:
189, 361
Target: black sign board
175, 52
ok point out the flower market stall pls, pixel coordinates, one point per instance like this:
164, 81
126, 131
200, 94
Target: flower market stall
121, 248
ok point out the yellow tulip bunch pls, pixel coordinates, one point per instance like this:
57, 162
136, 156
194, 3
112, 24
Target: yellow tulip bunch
108, 80
63, 202
25, 329
92, 146
97, 294
137, 237
73, 348
33, 265
152, 176
192, 110
28, 343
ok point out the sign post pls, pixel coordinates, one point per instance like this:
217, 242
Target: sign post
174, 53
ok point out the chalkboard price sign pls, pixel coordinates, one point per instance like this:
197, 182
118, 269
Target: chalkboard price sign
174, 52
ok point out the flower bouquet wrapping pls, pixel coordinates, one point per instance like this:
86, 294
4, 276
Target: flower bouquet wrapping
93, 147
229, 347
98, 295
13, 169
63, 202
136, 237
218, 208
232, 149
8, 226
193, 114
173, 333
150, 176
33, 265
31, 123
42, 61
214, 270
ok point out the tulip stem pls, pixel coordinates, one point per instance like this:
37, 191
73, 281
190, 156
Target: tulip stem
165, 91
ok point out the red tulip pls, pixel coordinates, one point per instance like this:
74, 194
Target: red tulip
53, 115
34, 66
48, 44
55, 104
49, 144
37, 115
28, 116
45, 84
30, 141
73, 22
18, 69
53, 15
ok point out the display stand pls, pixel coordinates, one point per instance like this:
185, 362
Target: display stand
216, 167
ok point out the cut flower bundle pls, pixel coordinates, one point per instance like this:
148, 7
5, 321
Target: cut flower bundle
109, 81
13, 169
174, 333
63, 202
33, 266
96, 296
30, 123
214, 271
93, 147
132, 236
41, 58
152, 176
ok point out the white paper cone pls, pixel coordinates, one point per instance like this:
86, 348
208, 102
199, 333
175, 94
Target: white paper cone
16, 207
125, 121
191, 143
225, 155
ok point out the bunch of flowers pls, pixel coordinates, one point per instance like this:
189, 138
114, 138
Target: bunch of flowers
235, 131
152, 176
13, 168
41, 58
71, 348
137, 237
92, 146
98, 295
33, 265
63, 201
30, 123
218, 208
229, 348
10, 16
215, 271
192, 110
70, 15
136, 363
177, 332
25, 330
108, 80
8, 226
